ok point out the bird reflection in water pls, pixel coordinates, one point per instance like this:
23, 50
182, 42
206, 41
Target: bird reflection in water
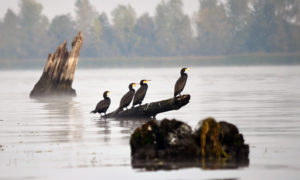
125, 127
104, 129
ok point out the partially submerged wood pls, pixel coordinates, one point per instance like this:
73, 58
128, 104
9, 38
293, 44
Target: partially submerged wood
151, 109
59, 71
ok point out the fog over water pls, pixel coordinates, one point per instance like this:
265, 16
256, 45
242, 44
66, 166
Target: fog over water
59, 138
244, 68
56, 7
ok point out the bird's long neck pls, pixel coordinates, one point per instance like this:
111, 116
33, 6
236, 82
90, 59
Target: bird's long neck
183, 74
145, 85
106, 97
131, 89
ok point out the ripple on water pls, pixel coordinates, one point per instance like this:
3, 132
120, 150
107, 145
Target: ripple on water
58, 133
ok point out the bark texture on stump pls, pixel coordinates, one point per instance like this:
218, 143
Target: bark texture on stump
59, 71
151, 109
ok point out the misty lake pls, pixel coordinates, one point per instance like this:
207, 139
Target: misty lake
59, 139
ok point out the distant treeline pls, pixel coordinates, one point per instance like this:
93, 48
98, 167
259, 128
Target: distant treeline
217, 28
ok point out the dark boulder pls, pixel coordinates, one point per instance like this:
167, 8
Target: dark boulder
143, 141
233, 142
172, 144
169, 139
207, 139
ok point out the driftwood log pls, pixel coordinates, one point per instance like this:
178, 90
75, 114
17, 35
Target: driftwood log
151, 109
59, 71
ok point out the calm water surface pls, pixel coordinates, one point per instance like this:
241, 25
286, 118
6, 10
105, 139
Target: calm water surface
58, 138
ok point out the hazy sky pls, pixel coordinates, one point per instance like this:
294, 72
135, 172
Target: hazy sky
58, 7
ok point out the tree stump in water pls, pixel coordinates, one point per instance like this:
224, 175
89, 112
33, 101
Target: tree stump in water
151, 109
59, 71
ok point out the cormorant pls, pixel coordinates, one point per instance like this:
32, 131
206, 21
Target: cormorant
140, 93
103, 105
127, 98
180, 83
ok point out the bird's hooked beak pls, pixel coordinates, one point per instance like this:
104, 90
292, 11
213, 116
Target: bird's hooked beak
145, 81
134, 84
108, 93
186, 69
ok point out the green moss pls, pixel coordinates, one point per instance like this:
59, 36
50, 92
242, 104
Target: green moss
144, 135
136, 135
209, 139
173, 139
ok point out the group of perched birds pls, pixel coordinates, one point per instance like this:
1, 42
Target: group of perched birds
139, 95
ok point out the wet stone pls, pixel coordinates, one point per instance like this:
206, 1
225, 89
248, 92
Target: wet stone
169, 141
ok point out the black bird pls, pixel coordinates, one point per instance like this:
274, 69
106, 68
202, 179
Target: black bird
127, 98
180, 83
140, 93
103, 105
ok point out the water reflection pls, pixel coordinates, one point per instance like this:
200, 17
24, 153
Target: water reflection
59, 105
226, 179
125, 127
104, 131
267, 112
131, 124
206, 164
65, 121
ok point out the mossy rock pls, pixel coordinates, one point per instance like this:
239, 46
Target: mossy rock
207, 137
232, 141
169, 139
175, 140
144, 139
172, 140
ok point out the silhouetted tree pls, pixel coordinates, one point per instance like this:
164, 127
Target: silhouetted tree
33, 30
213, 28
61, 28
85, 16
238, 17
109, 45
124, 20
218, 27
85, 19
145, 32
173, 28
9, 41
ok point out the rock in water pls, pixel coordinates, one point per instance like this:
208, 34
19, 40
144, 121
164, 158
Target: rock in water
58, 74
207, 137
221, 140
171, 141
233, 142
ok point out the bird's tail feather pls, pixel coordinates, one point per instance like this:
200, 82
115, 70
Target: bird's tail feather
94, 111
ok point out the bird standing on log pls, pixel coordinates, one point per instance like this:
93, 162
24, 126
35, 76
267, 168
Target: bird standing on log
140, 93
103, 105
127, 98
180, 83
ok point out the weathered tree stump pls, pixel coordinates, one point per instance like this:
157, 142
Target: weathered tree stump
151, 109
59, 71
